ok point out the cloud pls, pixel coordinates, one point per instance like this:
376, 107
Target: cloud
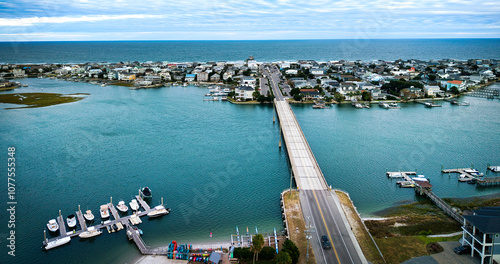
29, 21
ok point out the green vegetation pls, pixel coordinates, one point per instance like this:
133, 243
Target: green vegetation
32, 100
472, 203
257, 244
292, 250
283, 258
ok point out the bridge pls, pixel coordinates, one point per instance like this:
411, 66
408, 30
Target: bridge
321, 206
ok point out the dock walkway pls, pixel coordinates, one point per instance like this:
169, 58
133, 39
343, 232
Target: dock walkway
426, 190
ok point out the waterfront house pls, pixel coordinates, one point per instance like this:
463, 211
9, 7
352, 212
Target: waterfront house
153, 79
411, 93
125, 76
291, 71
190, 77
317, 72
310, 94
377, 94
481, 231
433, 90
244, 92
455, 83
202, 77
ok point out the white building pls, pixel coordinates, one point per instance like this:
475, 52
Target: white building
244, 93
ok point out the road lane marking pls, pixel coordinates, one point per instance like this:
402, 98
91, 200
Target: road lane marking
324, 222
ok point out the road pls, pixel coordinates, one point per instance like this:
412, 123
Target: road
321, 209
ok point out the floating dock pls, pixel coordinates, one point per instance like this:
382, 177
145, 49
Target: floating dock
408, 181
127, 221
466, 174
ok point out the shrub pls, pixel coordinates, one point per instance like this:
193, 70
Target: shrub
292, 250
243, 253
267, 253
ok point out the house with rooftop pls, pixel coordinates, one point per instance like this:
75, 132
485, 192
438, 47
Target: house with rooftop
455, 83
202, 76
248, 81
481, 231
310, 94
243, 92
411, 93
433, 90
190, 77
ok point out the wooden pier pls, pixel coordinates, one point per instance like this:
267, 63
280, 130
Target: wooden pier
127, 221
425, 188
408, 181
488, 181
469, 173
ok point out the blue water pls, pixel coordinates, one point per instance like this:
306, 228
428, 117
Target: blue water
216, 164
262, 50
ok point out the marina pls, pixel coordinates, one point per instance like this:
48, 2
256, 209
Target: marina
115, 225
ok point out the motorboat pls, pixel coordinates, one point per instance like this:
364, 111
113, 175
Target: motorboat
52, 225
394, 105
158, 210
474, 172
71, 220
88, 215
104, 211
91, 232
57, 242
495, 168
145, 192
384, 105
134, 205
122, 206
420, 178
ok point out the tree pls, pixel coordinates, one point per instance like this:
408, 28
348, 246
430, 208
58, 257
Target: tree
292, 250
283, 258
257, 244
339, 97
366, 96
454, 90
432, 77
297, 97
295, 91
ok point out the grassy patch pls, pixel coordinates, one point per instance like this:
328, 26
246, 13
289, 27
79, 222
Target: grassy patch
369, 249
474, 202
126, 84
32, 100
296, 219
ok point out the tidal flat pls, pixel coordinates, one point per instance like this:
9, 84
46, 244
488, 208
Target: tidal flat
33, 100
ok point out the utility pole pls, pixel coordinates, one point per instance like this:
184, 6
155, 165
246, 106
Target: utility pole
308, 232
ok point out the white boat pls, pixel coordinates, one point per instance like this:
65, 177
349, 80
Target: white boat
52, 225
394, 105
474, 172
104, 211
91, 232
495, 168
122, 206
420, 178
134, 205
88, 215
57, 242
71, 220
385, 105
159, 210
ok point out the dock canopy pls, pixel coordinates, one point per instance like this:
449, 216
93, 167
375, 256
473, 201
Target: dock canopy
423, 184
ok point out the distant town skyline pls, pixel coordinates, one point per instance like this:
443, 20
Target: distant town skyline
87, 20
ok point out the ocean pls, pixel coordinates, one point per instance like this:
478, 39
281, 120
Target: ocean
262, 50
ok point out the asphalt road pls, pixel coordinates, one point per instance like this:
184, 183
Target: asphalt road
322, 210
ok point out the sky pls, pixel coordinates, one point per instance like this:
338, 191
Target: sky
83, 20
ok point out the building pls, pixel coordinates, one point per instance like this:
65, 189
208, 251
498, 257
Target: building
248, 81
457, 83
190, 77
244, 92
202, 77
433, 90
125, 76
317, 72
153, 79
481, 231
411, 93
215, 78
310, 94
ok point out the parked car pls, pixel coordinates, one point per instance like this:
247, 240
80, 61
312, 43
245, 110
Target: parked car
462, 250
325, 242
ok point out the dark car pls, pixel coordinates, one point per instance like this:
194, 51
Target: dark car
462, 250
325, 242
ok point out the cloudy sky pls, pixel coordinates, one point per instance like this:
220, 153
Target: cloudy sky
33, 20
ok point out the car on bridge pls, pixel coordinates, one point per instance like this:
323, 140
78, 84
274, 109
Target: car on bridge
325, 242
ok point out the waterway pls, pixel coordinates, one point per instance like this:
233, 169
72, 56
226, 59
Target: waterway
216, 164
